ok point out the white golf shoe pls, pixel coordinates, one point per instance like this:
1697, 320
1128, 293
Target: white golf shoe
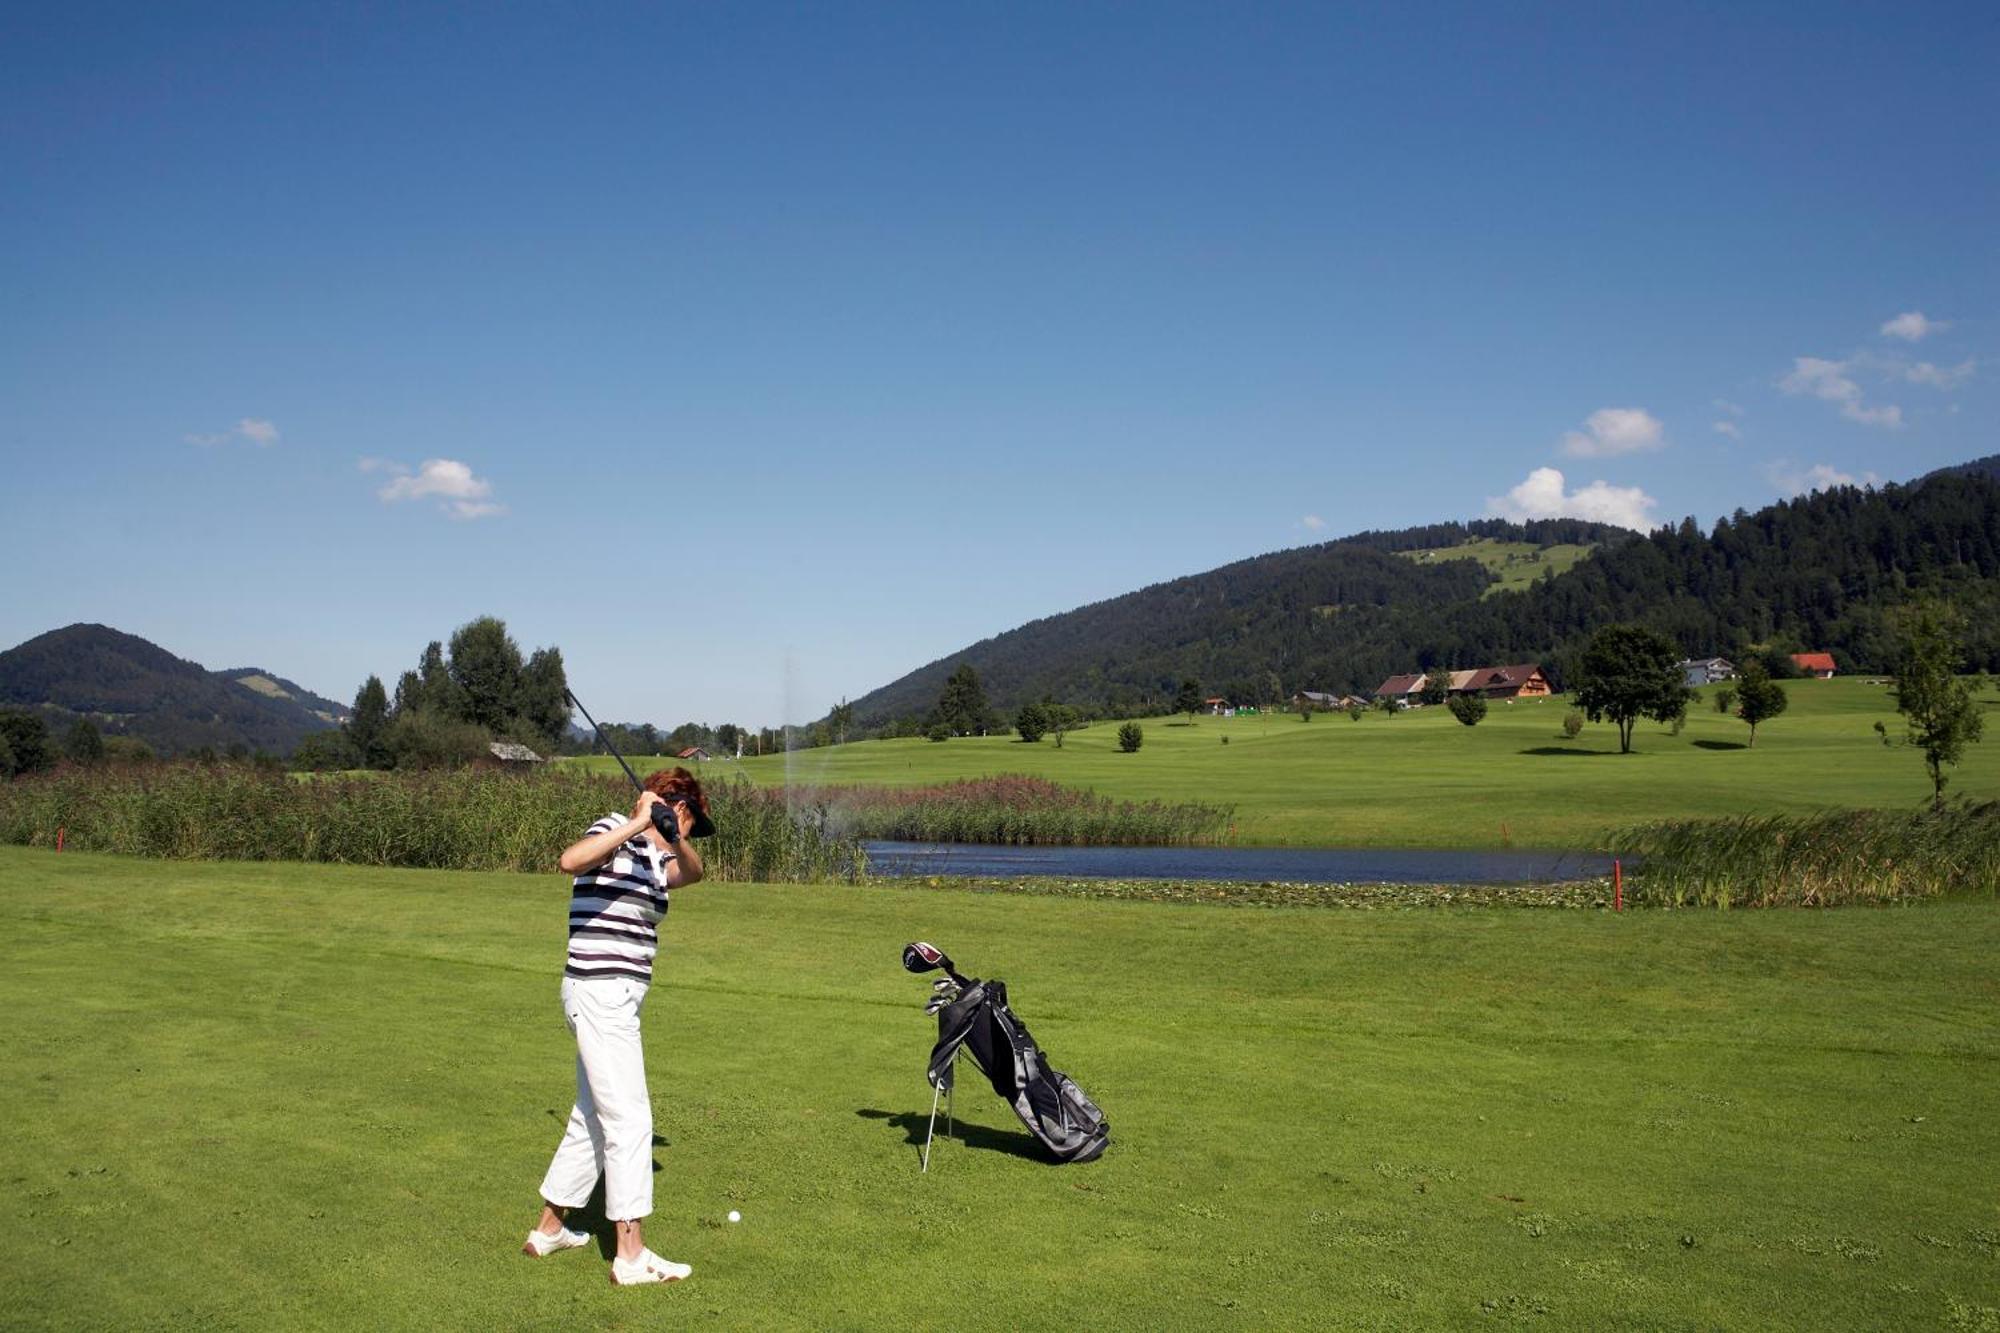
540, 1244
648, 1267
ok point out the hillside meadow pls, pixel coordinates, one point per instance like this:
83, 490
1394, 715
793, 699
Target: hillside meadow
296, 1096
1420, 779
1514, 565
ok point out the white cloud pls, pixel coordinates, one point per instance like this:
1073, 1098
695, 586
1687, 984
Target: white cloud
1938, 377
1729, 428
1911, 326
1829, 380
1312, 522
1610, 431
1733, 409
257, 430
1790, 479
446, 479
1544, 495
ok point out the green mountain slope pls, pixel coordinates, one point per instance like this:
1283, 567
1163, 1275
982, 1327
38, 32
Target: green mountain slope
1822, 572
129, 686
1251, 630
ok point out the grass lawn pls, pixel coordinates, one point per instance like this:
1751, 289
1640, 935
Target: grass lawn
1420, 779
274, 1096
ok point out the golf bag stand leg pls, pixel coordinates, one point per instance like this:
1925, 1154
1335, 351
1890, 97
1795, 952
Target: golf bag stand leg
945, 1089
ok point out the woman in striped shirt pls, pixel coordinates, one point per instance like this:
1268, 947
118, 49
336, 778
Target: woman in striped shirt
625, 870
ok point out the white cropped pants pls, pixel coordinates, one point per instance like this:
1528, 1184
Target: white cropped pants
610, 1129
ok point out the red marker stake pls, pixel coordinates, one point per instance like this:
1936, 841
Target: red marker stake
1617, 887
59, 836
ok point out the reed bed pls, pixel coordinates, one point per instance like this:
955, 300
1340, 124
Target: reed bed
468, 820
1019, 810
1831, 859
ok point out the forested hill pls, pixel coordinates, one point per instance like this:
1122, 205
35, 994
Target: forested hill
1247, 629
1817, 573
129, 686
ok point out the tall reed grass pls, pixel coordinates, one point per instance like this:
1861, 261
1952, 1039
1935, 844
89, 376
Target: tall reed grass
1011, 808
467, 820
1824, 860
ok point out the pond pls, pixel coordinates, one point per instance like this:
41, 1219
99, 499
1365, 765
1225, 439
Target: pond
1292, 865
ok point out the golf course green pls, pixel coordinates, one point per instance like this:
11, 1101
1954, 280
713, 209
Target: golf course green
276, 1096
1421, 779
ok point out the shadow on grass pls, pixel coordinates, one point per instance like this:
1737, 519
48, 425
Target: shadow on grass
1720, 745
914, 1123
589, 1217
1565, 749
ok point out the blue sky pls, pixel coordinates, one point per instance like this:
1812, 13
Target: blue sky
755, 355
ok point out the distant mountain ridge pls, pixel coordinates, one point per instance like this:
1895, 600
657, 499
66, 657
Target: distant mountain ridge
1231, 628
1820, 572
130, 686
1988, 466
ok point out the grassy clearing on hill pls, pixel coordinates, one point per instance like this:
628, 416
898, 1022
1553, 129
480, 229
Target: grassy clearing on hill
1420, 779
285, 1096
1518, 564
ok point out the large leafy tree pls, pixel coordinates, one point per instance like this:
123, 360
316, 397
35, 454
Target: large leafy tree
1437, 686
1629, 672
368, 726
85, 743
436, 691
1758, 697
543, 700
486, 666
1188, 698
1940, 714
26, 738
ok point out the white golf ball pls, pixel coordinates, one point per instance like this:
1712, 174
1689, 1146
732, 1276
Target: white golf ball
735, 1216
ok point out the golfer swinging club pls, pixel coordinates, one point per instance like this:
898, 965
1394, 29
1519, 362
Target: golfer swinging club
624, 869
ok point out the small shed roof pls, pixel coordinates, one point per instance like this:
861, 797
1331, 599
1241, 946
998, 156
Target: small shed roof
510, 752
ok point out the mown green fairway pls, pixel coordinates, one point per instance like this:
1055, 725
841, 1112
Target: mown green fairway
276, 1096
1420, 779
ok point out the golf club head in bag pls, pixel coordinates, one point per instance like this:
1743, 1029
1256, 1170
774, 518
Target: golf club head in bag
975, 1017
921, 957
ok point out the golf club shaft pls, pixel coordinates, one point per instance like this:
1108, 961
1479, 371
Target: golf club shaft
577, 704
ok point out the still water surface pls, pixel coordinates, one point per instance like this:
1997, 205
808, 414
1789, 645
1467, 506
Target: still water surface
1295, 865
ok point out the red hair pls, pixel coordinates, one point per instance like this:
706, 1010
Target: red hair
677, 784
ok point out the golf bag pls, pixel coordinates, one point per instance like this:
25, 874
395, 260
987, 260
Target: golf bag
1054, 1109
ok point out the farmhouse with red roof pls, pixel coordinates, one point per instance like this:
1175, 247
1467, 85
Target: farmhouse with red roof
1817, 665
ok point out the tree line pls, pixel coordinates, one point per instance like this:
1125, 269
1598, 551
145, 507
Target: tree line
1825, 572
451, 706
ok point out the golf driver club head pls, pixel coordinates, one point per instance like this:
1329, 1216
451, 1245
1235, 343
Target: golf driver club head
922, 957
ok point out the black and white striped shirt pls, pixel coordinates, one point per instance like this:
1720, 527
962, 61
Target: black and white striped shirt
615, 910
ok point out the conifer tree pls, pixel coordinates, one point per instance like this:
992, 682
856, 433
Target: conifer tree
368, 725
